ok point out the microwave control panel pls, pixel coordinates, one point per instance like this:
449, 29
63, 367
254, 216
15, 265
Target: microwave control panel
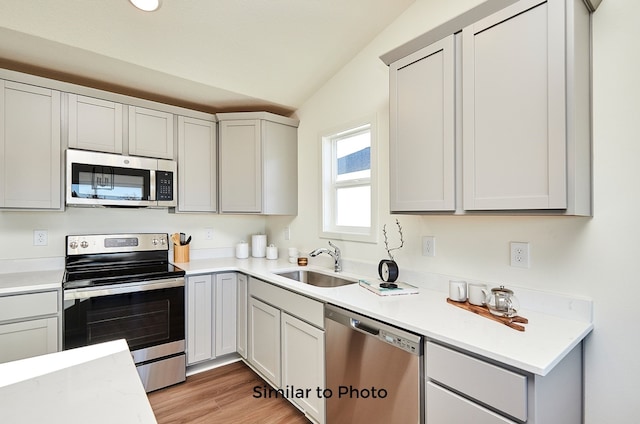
164, 185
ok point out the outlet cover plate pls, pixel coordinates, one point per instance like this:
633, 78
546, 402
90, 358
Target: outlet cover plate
520, 254
428, 246
40, 237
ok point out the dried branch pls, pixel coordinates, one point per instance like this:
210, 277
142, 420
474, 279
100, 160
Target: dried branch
386, 239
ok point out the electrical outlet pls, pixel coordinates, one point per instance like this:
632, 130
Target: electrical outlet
287, 233
40, 237
520, 254
208, 233
428, 246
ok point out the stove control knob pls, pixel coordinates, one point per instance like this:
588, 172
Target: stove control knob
73, 245
163, 241
84, 244
154, 242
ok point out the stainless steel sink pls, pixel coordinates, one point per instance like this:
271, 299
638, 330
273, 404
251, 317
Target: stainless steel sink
315, 278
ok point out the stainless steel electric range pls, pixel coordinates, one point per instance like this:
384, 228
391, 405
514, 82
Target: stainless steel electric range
122, 286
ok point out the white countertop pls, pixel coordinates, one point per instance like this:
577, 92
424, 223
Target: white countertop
20, 282
94, 384
546, 340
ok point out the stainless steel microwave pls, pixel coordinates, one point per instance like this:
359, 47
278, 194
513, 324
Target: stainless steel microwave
104, 179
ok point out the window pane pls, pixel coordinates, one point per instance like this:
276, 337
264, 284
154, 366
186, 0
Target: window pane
353, 154
353, 207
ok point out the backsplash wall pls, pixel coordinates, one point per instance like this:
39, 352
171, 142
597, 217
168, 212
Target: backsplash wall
16, 228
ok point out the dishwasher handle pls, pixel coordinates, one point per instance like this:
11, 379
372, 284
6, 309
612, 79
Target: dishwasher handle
358, 325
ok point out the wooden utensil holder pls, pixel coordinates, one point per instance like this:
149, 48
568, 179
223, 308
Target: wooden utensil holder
180, 253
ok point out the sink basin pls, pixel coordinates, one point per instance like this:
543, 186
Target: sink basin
315, 278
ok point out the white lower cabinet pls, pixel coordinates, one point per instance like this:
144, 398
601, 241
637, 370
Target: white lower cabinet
211, 316
445, 406
241, 315
29, 325
462, 388
264, 340
286, 344
303, 363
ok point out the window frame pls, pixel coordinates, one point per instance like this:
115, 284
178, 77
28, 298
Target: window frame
329, 187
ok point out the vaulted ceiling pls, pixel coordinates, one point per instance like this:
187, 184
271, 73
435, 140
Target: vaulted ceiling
214, 55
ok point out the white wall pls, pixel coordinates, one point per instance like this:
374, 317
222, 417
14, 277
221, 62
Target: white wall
16, 228
595, 257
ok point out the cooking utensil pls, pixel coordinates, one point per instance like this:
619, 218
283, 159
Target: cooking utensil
188, 240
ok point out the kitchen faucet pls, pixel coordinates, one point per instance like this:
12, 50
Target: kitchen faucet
337, 267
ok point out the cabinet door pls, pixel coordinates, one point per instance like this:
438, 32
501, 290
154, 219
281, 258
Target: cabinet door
197, 168
30, 155
199, 318
150, 133
28, 338
94, 124
445, 407
422, 136
514, 119
264, 339
225, 313
303, 363
280, 168
241, 316
240, 166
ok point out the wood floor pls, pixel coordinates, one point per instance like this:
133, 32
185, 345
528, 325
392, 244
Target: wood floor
222, 395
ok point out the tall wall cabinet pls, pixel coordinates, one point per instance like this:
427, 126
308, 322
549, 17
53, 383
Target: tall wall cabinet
501, 103
30, 149
197, 165
258, 163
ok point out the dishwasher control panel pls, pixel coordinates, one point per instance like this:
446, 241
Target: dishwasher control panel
400, 342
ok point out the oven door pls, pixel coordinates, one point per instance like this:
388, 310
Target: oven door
149, 315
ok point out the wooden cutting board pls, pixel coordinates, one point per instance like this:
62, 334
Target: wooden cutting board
484, 311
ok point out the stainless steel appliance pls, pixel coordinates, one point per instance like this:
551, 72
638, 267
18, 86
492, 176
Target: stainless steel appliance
103, 179
122, 286
375, 371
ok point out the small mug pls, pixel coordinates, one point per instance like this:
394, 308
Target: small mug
458, 290
477, 293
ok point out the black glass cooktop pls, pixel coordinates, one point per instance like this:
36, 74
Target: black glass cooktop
118, 268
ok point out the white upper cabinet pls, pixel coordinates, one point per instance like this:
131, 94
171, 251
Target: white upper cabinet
518, 115
94, 124
517, 100
150, 133
258, 164
197, 165
422, 122
30, 151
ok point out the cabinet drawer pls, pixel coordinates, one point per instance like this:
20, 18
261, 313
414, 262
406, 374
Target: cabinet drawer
28, 305
302, 307
495, 386
445, 407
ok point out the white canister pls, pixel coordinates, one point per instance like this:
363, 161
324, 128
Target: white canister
259, 245
242, 250
293, 252
272, 252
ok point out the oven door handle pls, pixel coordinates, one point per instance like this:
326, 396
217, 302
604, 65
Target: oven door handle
87, 293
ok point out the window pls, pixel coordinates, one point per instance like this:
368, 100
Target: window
348, 184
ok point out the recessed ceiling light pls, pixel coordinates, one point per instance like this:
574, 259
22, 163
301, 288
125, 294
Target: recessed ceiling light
146, 5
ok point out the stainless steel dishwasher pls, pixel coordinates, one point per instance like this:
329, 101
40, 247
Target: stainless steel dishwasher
374, 371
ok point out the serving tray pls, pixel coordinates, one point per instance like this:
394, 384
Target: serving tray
484, 311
